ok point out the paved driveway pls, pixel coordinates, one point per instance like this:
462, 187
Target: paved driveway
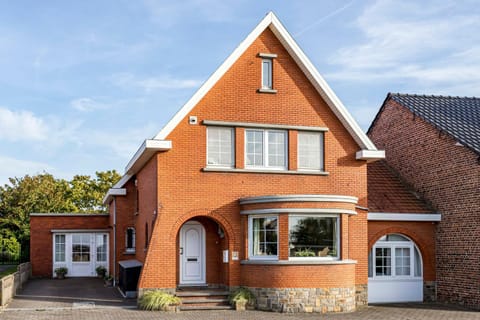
87, 298
390, 312
45, 294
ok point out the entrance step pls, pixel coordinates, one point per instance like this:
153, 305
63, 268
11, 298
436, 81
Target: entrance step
203, 299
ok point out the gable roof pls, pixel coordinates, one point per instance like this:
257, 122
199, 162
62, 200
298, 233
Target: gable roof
387, 192
159, 143
457, 116
272, 22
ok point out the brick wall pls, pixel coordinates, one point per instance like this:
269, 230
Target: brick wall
186, 192
41, 246
447, 176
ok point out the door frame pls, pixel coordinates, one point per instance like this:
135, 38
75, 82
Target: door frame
202, 281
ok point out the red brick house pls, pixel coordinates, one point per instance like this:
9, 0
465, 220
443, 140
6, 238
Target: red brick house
260, 180
433, 143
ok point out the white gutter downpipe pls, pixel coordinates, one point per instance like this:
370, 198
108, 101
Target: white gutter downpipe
114, 241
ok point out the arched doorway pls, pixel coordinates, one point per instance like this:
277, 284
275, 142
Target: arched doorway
192, 254
395, 271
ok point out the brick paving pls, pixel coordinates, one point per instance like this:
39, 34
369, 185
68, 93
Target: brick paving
386, 312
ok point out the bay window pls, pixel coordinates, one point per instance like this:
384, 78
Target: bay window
263, 237
313, 236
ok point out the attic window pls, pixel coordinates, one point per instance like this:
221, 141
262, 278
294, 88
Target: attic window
267, 72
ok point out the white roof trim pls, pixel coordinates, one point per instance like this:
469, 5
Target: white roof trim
304, 63
370, 155
299, 210
114, 192
385, 216
299, 198
146, 150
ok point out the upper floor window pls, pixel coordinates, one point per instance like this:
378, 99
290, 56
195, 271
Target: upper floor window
220, 148
266, 148
313, 236
310, 150
263, 237
267, 73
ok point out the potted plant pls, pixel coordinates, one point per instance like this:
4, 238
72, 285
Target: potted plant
158, 300
101, 271
108, 280
242, 299
61, 272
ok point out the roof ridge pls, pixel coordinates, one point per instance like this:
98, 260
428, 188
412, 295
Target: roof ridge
431, 96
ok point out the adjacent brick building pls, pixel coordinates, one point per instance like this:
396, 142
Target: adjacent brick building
433, 143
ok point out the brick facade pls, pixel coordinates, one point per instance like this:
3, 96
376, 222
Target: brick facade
446, 175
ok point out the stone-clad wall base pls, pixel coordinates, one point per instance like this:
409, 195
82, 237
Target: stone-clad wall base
361, 295
429, 291
322, 300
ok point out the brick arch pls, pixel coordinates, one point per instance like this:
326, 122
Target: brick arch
203, 213
426, 255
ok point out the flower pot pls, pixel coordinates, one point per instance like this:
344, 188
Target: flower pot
240, 305
60, 276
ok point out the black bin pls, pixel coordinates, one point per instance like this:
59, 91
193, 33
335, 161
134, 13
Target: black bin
128, 277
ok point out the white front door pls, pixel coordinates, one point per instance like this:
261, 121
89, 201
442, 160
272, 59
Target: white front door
192, 253
82, 260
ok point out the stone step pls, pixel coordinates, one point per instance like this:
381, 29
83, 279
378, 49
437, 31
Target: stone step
201, 293
206, 308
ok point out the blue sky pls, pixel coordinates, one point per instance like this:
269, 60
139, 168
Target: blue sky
83, 83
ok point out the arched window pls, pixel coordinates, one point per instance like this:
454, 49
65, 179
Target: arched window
394, 256
130, 240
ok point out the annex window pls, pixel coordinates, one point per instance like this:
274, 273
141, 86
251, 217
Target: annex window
394, 256
266, 148
59, 248
310, 150
101, 242
263, 238
267, 73
220, 147
313, 236
130, 240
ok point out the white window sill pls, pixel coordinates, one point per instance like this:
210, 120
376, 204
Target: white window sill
262, 90
251, 170
297, 262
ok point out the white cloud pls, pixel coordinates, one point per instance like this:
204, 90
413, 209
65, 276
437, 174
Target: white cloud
11, 167
87, 105
149, 84
21, 125
428, 45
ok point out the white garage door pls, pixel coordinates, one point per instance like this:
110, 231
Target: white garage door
80, 252
394, 271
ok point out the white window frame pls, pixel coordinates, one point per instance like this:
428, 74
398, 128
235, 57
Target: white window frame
265, 150
104, 236
337, 233
269, 84
321, 154
232, 147
132, 249
392, 245
55, 248
250, 239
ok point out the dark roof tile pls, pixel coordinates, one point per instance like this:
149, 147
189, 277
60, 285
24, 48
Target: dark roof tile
457, 116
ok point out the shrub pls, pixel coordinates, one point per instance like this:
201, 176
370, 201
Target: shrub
242, 294
101, 270
157, 300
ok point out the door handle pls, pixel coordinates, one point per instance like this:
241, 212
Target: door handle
181, 250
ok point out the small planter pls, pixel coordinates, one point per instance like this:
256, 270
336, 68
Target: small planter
61, 272
108, 280
101, 272
172, 308
241, 305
